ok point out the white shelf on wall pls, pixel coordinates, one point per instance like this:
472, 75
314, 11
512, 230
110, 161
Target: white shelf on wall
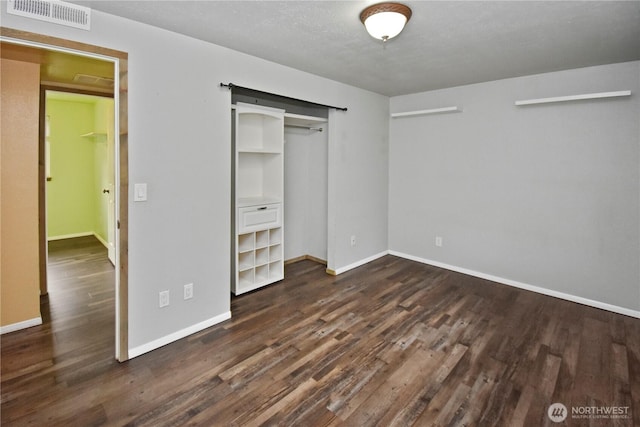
425, 112
585, 96
259, 151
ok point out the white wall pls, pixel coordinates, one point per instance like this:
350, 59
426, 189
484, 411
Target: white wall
545, 195
179, 144
358, 184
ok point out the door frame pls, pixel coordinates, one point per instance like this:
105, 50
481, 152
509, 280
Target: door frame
44, 253
120, 62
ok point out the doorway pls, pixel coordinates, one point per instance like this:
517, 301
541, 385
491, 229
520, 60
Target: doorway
306, 191
79, 180
31, 47
79, 167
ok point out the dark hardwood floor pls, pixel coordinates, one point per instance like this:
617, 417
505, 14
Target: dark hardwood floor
393, 342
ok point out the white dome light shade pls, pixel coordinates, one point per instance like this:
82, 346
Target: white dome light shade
384, 21
385, 25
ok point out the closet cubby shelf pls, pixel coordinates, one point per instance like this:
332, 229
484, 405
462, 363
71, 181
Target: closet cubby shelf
425, 112
585, 96
259, 259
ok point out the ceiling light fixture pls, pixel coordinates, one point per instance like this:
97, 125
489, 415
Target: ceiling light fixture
384, 21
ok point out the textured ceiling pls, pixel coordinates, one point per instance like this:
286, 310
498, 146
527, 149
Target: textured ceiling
445, 44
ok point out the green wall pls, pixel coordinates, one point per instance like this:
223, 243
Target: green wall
75, 202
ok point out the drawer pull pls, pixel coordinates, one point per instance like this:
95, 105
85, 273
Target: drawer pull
262, 208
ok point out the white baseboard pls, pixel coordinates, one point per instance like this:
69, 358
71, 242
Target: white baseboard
357, 264
168, 339
71, 236
20, 325
544, 291
101, 240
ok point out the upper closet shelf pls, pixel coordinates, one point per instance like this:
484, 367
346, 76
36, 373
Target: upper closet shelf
301, 120
575, 97
423, 112
94, 135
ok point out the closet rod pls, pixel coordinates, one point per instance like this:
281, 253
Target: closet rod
231, 86
303, 127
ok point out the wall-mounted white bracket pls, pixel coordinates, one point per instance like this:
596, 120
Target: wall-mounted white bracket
574, 97
425, 112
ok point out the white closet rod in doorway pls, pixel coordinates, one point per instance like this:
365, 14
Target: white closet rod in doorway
303, 127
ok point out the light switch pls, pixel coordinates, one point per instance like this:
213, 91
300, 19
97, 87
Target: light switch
140, 193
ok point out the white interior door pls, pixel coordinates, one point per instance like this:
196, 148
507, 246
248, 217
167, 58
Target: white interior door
111, 205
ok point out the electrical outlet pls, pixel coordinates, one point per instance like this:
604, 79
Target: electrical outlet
164, 299
188, 291
353, 240
439, 241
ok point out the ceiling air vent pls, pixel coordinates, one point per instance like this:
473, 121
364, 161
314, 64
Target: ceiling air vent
54, 11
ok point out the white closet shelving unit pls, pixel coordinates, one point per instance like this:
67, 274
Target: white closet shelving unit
259, 188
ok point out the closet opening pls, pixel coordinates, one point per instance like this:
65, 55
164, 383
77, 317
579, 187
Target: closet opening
304, 197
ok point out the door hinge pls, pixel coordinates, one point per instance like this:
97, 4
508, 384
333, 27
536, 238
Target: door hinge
118, 224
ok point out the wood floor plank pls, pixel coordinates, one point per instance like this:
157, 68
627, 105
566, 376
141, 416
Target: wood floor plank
392, 343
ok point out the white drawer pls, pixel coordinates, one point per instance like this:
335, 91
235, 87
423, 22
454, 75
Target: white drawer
259, 217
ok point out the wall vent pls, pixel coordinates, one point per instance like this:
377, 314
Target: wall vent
55, 11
